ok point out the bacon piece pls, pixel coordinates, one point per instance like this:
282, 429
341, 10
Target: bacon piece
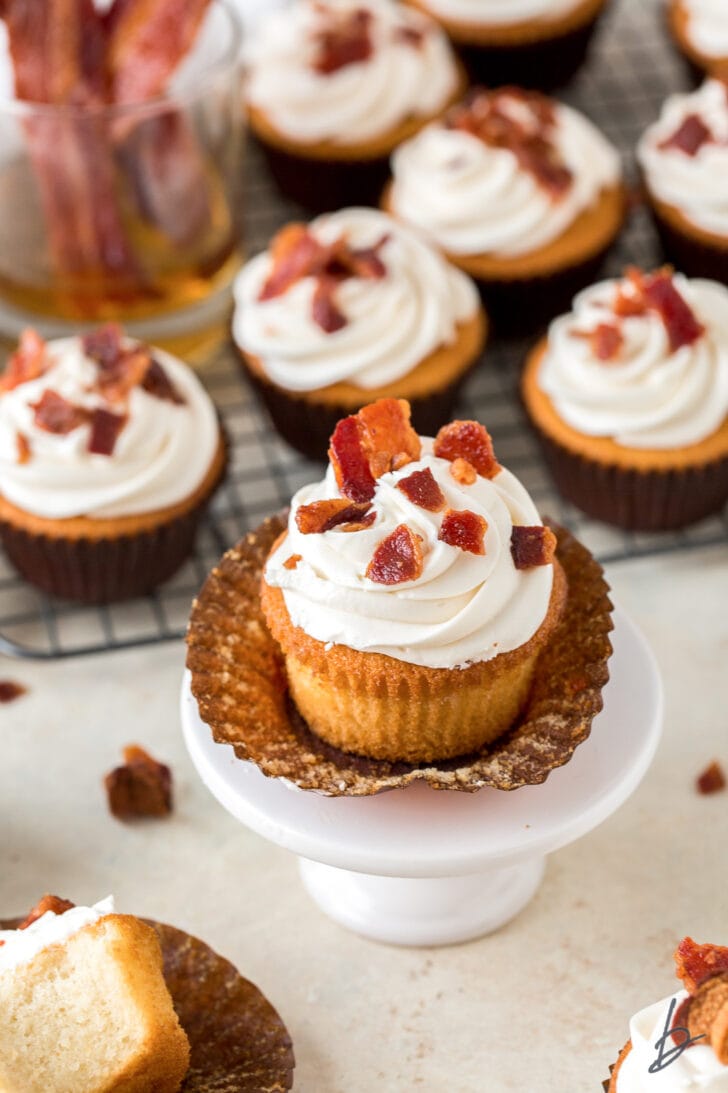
344, 40
398, 558
105, 429
359, 525
322, 516
694, 963
116, 380
56, 414
156, 382
689, 137
325, 312
10, 690
532, 546
387, 437
465, 530
292, 561
711, 780
27, 363
46, 903
22, 445
344, 261
421, 489
141, 787
471, 441
678, 1030
680, 322
295, 253
463, 472
103, 345
351, 467
630, 300
605, 340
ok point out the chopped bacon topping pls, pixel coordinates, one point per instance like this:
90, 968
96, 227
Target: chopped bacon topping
465, 530
471, 441
680, 1022
359, 525
689, 137
421, 489
398, 558
27, 363
605, 340
657, 292
22, 445
367, 445
120, 368
142, 787
295, 253
46, 903
694, 963
350, 464
322, 516
292, 561
156, 382
105, 429
712, 779
526, 132
463, 472
344, 40
55, 414
103, 345
532, 546
10, 690
324, 309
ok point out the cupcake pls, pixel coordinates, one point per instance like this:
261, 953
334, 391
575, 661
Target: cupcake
684, 160
518, 190
628, 395
681, 1042
333, 87
109, 453
699, 29
350, 308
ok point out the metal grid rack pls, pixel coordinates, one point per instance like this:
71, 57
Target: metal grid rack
632, 69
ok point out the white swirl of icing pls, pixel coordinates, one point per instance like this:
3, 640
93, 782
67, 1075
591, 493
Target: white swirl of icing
696, 1070
20, 946
464, 608
393, 323
471, 198
498, 13
359, 101
649, 397
694, 184
707, 26
161, 456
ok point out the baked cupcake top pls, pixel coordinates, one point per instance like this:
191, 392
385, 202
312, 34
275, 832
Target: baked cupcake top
684, 155
498, 13
707, 26
348, 70
354, 297
427, 551
643, 360
504, 173
101, 426
52, 922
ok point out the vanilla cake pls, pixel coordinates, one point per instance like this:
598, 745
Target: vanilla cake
84, 1007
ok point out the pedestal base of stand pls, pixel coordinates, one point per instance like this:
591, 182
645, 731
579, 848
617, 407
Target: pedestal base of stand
426, 910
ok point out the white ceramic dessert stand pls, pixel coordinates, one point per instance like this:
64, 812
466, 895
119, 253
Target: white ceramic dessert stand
417, 866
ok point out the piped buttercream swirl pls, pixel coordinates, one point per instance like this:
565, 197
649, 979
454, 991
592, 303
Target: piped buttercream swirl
707, 26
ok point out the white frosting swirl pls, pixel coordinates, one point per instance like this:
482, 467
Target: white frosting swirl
694, 184
471, 198
359, 101
648, 397
161, 455
464, 607
696, 1070
20, 946
393, 322
707, 26
498, 13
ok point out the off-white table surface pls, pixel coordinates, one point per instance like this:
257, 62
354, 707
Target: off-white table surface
541, 1006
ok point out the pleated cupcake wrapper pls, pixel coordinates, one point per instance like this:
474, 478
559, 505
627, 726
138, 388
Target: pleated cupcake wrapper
637, 500
607, 1083
690, 255
239, 681
325, 185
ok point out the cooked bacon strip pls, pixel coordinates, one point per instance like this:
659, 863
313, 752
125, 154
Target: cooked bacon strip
46, 903
321, 516
344, 40
694, 963
605, 340
398, 558
55, 414
421, 489
532, 546
689, 137
468, 440
27, 363
105, 429
465, 530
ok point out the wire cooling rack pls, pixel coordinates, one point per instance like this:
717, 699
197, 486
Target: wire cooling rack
631, 70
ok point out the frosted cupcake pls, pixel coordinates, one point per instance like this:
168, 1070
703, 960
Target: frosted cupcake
334, 86
684, 160
628, 394
109, 454
535, 43
699, 29
350, 308
518, 190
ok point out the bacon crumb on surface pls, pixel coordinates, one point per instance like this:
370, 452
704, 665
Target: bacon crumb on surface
712, 779
140, 788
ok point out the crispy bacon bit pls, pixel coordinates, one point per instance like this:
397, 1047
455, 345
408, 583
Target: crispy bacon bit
398, 558
605, 340
421, 489
694, 963
324, 309
712, 779
463, 471
22, 446
295, 253
680, 322
9, 690
141, 787
292, 561
322, 516
46, 903
359, 525
527, 132
350, 464
56, 414
465, 530
344, 40
689, 137
121, 368
471, 441
103, 345
629, 299
27, 363
105, 429
156, 382
387, 438
532, 546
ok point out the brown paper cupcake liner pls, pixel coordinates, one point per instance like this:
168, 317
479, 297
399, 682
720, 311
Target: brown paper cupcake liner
239, 681
608, 1085
637, 500
690, 255
238, 1042
325, 185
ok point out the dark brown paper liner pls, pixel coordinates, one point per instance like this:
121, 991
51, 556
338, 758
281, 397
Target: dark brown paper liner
322, 185
614, 1068
238, 679
689, 254
238, 1042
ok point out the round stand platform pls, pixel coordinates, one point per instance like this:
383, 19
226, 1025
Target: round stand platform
418, 867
